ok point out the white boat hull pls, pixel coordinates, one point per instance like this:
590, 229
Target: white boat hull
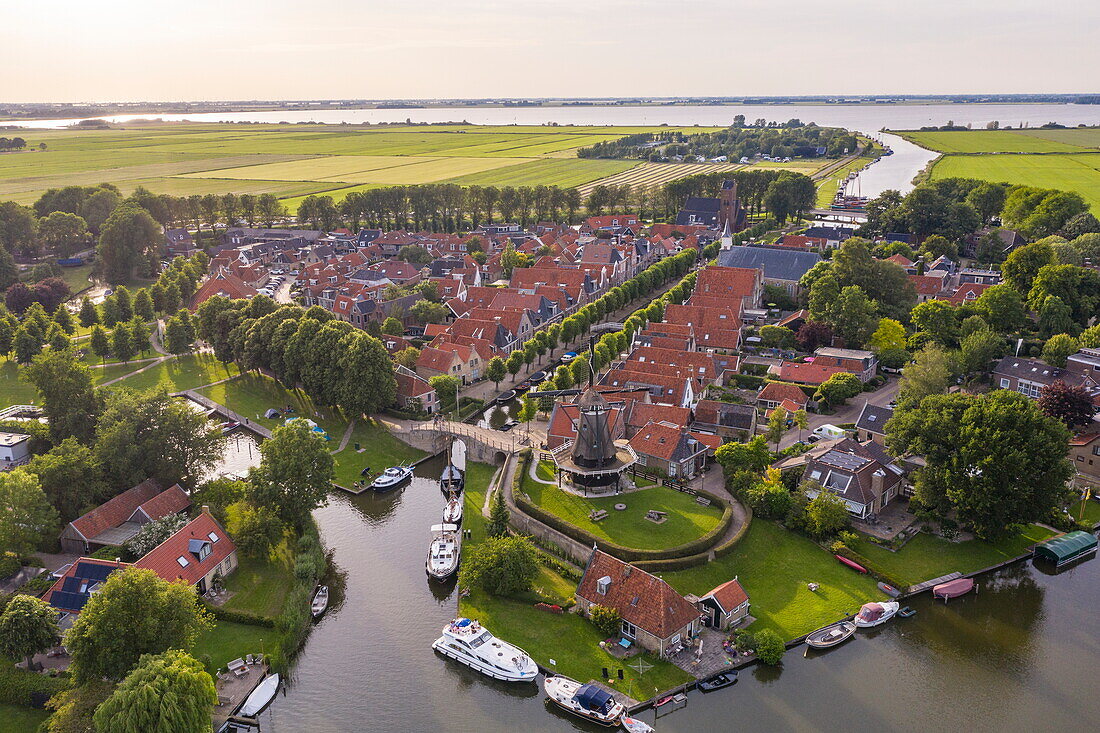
891, 610
260, 697
480, 666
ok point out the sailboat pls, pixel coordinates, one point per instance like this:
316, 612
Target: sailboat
453, 478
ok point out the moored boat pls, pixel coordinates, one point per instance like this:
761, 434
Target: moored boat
453, 478
470, 643
452, 512
831, 635
907, 612
873, 614
444, 552
633, 725
260, 697
889, 590
718, 681
320, 601
392, 477
953, 588
506, 397
585, 701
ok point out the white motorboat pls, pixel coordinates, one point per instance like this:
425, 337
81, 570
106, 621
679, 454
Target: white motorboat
260, 697
452, 513
392, 477
873, 614
585, 701
320, 601
444, 552
471, 643
633, 725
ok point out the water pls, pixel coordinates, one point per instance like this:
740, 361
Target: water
1019, 655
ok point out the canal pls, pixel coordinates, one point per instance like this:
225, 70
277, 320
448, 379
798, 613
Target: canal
1021, 654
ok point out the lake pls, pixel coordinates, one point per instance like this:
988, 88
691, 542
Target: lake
1021, 654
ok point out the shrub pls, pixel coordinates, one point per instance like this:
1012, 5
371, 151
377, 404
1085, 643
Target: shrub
607, 620
9, 564
256, 530
152, 534
744, 640
19, 687
769, 647
503, 566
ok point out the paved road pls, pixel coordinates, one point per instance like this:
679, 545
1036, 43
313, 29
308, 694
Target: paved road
848, 413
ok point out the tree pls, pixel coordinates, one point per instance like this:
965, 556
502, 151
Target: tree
122, 342
777, 425
826, 513
294, 475
838, 388
1058, 349
169, 691
979, 349
1077, 287
27, 517
995, 459
62, 230
769, 497
407, 357
769, 647
393, 327
814, 334
852, 316
606, 620
64, 320
256, 530
446, 388
1002, 307
129, 241
581, 369
25, 345
425, 311
148, 434
890, 334
177, 339
1023, 264
498, 517
563, 378
89, 315
801, 421
414, 254
1070, 404
929, 374
100, 342
1090, 337
752, 456
937, 318
28, 626
70, 476
68, 393
502, 566
153, 533
514, 363
143, 305
495, 371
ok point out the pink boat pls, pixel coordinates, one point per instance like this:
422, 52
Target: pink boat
953, 588
852, 564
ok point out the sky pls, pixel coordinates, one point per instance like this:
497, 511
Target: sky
153, 50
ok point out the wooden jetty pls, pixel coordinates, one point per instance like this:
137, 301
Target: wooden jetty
220, 409
927, 585
233, 691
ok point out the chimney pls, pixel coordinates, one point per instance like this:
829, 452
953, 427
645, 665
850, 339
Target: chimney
205, 509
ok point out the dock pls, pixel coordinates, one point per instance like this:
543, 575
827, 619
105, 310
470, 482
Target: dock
233, 691
921, 587
219, 409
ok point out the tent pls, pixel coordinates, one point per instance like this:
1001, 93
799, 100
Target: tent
271, 413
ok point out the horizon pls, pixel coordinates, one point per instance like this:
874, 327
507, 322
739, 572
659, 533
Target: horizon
488, 49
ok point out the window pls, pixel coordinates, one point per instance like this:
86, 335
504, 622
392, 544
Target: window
204, 551
675, 639
629, 630
182, 561
213, 536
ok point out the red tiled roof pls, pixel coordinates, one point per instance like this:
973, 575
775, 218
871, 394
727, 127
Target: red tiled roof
778, 392
435, 359
659, 439
926, 284
172, 500
164, 558
729, 595
223, 283
965, 293
640, 598
899, 259
807, 373
113, 513
641, 414
731, 282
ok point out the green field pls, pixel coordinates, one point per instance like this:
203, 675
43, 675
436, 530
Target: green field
292, 161
1073, 172
19, 719
1004, 141
686, 521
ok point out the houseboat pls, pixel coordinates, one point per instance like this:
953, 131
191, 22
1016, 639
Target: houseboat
470, 643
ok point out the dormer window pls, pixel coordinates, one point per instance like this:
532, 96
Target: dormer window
603, 584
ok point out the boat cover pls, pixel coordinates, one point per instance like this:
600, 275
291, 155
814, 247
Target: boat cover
591, 697
871, 611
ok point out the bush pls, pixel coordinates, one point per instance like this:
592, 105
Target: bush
607, 620
769, 647
29, 689
239, 617
38, 585
9, 564
503, 566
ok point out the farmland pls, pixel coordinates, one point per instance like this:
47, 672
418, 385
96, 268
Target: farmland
1068, 160
292, 161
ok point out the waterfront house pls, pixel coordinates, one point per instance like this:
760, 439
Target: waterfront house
654, 616
198, 554
863, 475
725, 606
414, 392
115, 521
1084, 453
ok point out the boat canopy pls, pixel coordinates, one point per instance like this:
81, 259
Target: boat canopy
1066, 548
444, 527
871, 611
591, 697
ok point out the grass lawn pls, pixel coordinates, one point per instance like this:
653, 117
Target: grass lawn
77, 277
113, 371
228, 640
686, 519
926, 556
19, 719
183, 372
568, 639
1080, 173
13, 390
252, 395
775, 566
991, 141
379, 450
260, 586
1087, 510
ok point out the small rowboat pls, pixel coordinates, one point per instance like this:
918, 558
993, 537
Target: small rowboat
260, 697
633, 725
320, 601
506, 397
889, 590
852, 564
831, 635
718, 681
907, 612
953, 588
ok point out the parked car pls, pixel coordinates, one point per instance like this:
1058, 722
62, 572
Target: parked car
568, 357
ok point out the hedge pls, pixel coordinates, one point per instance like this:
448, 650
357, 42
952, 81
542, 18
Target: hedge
293, 623
627, 554
29, 689
701, 558
239, 617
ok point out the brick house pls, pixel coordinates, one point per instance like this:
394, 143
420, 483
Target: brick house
724, 419
775, 394
414, 392
225, 284
198, 554
863, 475
112, 523
1084, 453
654, 616
725, 606
871, 424
673, 450
863, 364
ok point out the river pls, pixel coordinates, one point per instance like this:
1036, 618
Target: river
1021, 654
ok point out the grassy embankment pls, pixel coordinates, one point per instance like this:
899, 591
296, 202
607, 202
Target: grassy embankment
568, 639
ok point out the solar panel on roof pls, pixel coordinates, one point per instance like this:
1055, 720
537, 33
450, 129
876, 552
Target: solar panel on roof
71, 585
93, 571
844, 460
70, 601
